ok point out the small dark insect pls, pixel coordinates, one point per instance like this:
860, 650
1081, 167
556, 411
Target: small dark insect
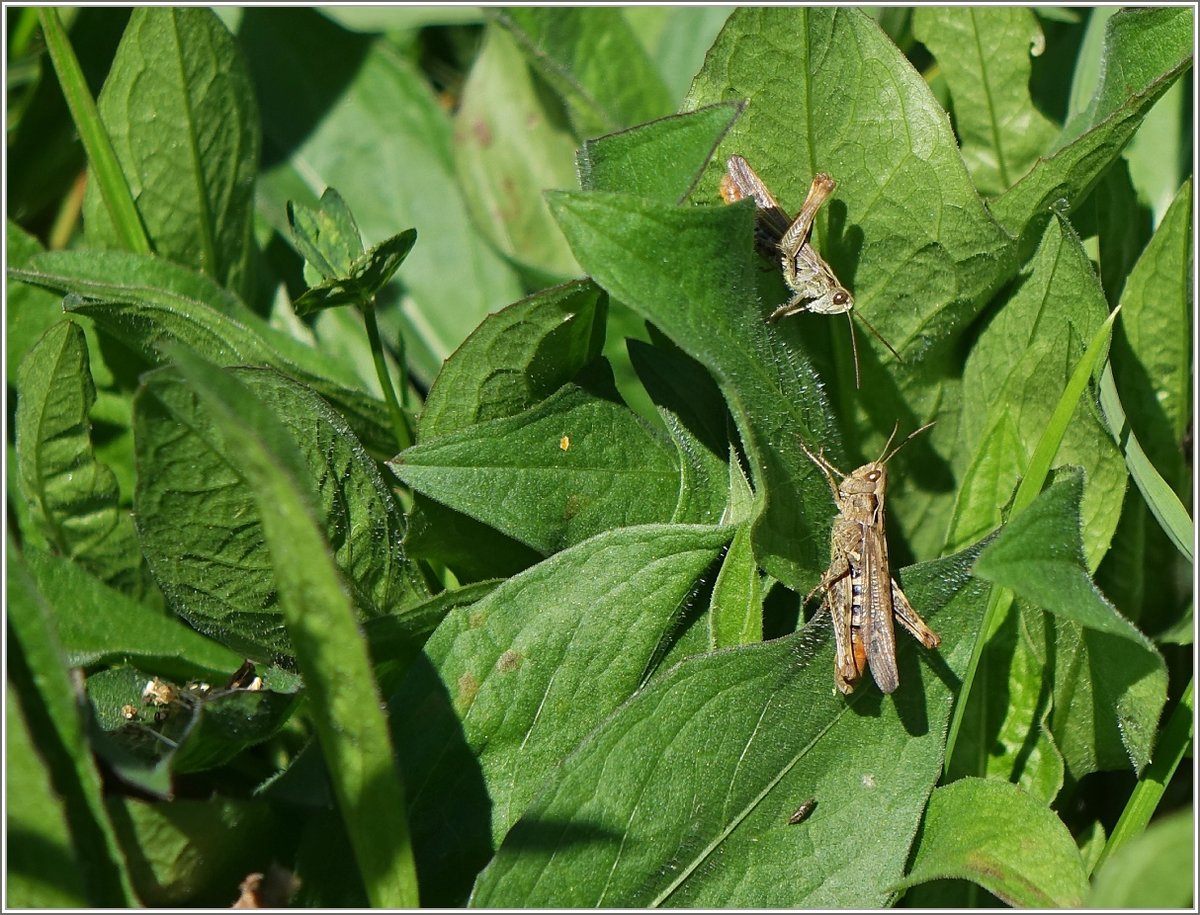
803, 812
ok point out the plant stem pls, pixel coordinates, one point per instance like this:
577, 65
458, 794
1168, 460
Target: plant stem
1173, 742
399, 424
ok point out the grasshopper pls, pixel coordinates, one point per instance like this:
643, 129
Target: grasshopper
814, 285
859, 589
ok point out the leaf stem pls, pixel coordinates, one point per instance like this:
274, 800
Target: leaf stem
110, 179
399, 423
1173, 742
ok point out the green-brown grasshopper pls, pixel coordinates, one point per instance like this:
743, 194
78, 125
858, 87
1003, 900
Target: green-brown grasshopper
860, 592
814, 285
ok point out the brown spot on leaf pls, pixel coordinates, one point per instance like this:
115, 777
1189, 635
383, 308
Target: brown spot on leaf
509, 661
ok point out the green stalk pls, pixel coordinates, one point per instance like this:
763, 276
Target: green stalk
399, 424
114, 189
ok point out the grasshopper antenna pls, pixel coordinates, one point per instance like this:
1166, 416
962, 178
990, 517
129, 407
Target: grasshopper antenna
854, 350
880, 336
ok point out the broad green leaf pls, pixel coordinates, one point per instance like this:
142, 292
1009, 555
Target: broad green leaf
143, 300
510, 145
689, 271
343, 699
573, 50
1145, 50
166, 299
192, 852
182, 115
1153, 355
42, 870
517, 357
1153, 871
99, 625
996, 835
1017, 371
562, 471
29, 311
347, 111
735, 612
1039, 555
203, 534
509, 685
659, 160
683, 796
984, 54
37, 671
74, 498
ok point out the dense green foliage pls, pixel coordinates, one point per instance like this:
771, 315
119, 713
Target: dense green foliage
411, 355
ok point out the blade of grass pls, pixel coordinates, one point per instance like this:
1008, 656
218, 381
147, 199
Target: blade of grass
1031, 484
109, 177
1171, 514
330, 652
1174, 741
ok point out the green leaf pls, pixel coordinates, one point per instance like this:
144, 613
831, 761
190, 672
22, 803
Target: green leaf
996, 835
74, 498
29, 311
180, 853
690, 273
562, 471
347, 111
1145, 50
659, 160
1152, 353
181, 111
203, 534
984, 54
343, 698
1017, 372
510, 145
145, 301
683, 796
1039, 555
735, 612
1153, 871
37, 670
42, 870
327, 238
99, 625
573, 50
516, 358
512, 683
365, 278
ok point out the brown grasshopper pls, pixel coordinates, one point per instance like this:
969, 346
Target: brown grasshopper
859, 589
814, 285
